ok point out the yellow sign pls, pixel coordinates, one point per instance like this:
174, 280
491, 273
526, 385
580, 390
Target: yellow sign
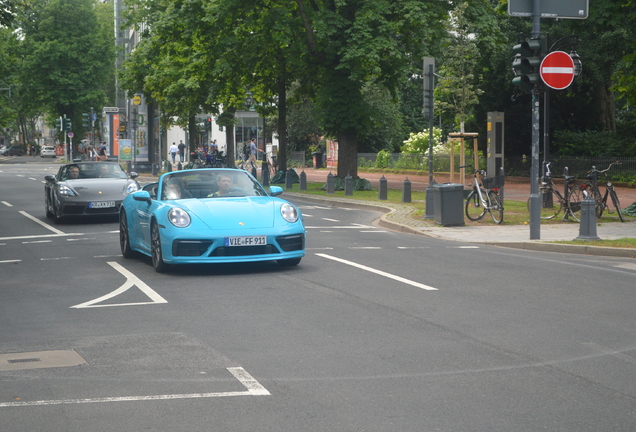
136, 100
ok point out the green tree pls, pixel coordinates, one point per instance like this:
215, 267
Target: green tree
66, 57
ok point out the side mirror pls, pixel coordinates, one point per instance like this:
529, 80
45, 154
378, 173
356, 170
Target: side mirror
275, 190
49, 178
143, 196
133, 175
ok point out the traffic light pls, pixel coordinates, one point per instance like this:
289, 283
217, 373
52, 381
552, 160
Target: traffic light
68, 126
86, 120
58, 124
528, 56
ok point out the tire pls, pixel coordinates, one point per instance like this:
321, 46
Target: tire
474, 209
157, 258
47, 209
289, 262
551, 203
124, 236
57, 219
600, 206
496, 208
617, 204
575, 197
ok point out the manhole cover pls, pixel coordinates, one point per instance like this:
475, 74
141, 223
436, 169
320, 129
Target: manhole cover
40, 359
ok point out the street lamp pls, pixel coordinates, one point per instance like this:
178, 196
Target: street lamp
578, 64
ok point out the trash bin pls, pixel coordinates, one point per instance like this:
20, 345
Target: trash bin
317, 159
448, 204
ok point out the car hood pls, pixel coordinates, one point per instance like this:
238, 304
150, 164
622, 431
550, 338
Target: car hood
226, 213
100, 188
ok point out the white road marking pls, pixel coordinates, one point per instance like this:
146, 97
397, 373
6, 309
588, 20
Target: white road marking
41, 236
413, 247
324, 248
331, 220
339, 227
131, 281
80, 239
10, 261
629, 266
6, 203
254, 388
37, 241
107, 256
374, 231
365, 247
45, 225
31, 178
379, 272
56, 258
464, 247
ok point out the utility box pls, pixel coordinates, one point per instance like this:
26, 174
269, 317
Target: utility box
448, 204
495, 149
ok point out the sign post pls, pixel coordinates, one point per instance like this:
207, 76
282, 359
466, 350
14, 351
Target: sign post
557, 70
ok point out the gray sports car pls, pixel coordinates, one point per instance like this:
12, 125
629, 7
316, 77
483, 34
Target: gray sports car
87, 189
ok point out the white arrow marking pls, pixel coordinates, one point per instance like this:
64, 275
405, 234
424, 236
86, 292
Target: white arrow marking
131, 281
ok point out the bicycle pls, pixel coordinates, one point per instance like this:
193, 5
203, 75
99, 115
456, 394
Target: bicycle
553, 202
601, 203
480, 201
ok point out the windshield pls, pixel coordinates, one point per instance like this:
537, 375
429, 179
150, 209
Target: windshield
209, 183
92, 170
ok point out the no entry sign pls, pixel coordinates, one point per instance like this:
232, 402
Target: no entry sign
557, 70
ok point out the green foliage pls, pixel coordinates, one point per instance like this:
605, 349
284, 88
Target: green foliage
419, 142
592, 143
383, 159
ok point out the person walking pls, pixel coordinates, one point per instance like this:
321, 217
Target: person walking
182, 148
173, 152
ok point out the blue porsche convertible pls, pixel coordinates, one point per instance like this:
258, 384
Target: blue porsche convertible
210, 216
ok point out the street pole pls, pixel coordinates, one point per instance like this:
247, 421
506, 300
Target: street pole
429, 88
535, 202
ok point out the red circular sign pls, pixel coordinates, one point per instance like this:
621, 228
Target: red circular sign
557, 70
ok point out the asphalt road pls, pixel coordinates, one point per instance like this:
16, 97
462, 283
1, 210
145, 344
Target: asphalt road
373, 331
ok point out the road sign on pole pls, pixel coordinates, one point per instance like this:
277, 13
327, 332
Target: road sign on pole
110, 109
571, 9
557, 70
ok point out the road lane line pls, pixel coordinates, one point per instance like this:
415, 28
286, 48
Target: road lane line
379, 272
45, 225
10, 261
254, 388
131, 281
41, 236
6, 203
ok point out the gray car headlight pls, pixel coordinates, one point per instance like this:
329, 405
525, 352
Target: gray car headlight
131, 187
289, 212
179, 217
65, 190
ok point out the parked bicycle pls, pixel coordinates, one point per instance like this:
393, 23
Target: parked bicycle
601, 202
484, 197
553, 202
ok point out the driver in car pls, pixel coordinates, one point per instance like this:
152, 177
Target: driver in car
73, 172
224, 183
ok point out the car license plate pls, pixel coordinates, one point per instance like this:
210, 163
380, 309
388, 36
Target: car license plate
101, 204
246, 241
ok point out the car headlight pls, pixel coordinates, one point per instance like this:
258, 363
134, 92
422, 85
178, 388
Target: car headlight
65, 190
131, 187
289, 212
179, 217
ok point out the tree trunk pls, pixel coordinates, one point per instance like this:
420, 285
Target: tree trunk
605, 107
192, 134
348, 154
229, 138
282, 126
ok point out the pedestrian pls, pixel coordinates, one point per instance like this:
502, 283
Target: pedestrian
101, 154
182, 148
253, 150
173, 152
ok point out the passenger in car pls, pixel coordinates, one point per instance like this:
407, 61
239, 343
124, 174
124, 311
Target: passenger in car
224, 183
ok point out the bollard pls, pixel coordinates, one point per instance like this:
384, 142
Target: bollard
129, 167
429, 212
406, 191
330, 184
155, 170
168, 167
503, 185
382, 190
303, 181
348, 185
288, 179
179, 166
587, 229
